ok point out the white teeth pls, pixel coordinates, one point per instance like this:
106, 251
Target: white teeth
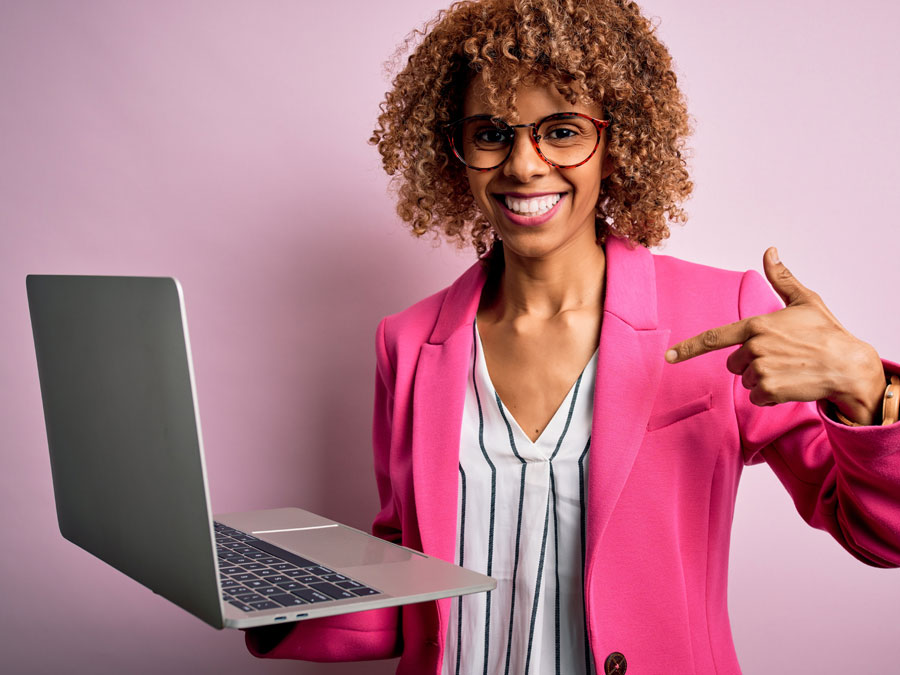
533, 206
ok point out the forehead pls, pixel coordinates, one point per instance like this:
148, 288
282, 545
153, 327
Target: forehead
534, 99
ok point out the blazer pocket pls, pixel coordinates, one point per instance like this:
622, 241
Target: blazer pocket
682, 412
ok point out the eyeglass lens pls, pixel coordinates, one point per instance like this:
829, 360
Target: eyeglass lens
565, 140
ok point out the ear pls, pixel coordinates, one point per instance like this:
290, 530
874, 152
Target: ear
608, 166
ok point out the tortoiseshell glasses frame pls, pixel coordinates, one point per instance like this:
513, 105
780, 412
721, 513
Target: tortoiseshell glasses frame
451, 129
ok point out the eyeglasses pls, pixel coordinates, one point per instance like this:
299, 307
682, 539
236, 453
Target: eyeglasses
563, 140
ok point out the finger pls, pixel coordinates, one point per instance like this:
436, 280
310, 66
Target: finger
761, 398
784, 283
739, 359
711, 340
749, 378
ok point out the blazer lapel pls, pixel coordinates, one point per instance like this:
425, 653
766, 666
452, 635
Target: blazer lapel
438, 400
629, 366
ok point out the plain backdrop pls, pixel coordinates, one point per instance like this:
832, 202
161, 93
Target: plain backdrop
224, 143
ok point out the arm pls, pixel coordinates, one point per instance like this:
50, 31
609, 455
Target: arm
374, 634
844, 480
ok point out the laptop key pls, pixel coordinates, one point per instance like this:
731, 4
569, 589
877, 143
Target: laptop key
310, 595
334, 577
286, 556
248, 597
240, 536
268, 560
318, 569
256, 555
277, 579
291, 586
294, 572
286, 600
268, 573
284, 566
332, 590
246, 576
308, 579
268, 590
365, 590
349, 584
230, 570
228, 583
255, 583
240, 605
265, 604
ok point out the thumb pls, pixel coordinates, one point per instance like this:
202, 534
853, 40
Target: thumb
784, 283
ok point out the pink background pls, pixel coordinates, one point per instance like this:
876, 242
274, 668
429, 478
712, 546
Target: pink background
225, 143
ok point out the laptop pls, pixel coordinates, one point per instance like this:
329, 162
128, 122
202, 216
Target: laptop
129, 477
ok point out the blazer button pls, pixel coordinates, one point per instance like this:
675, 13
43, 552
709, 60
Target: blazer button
615, 664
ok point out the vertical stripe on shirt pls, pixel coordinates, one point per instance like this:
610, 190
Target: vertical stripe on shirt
512, 604
462, 562
490, 556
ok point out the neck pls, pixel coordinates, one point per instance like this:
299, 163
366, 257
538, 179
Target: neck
571, 279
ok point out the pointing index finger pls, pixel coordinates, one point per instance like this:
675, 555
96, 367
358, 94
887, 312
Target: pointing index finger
710, 340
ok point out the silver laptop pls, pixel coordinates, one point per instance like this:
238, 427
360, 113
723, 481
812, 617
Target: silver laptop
129, 477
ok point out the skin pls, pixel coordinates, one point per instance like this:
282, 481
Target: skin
540, 324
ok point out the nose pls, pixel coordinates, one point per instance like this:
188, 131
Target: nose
524, 163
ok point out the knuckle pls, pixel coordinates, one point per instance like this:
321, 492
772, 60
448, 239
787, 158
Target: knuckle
756, 324
753, 348
784, 274
687, 349
710, 338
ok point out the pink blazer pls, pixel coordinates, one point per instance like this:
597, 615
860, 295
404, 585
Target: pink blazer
668, 446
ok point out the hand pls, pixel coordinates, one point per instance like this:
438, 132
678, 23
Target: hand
799, 353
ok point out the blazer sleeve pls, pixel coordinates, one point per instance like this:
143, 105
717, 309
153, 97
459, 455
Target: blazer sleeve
844, 480
373, 634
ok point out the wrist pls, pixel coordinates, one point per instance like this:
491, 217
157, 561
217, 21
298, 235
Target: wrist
888, 411
860, 398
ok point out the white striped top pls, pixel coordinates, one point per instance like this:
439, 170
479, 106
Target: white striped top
520, 520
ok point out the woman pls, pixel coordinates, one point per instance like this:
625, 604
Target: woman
572, 415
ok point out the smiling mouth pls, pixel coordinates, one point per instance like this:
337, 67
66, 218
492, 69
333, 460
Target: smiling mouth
529, 206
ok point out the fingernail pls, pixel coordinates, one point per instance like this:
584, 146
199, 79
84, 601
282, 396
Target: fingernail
671, 356
775, 258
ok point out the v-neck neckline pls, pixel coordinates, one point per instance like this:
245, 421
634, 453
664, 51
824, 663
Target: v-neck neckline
540, 443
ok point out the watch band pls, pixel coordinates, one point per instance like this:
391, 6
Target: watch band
890, 410
890, 407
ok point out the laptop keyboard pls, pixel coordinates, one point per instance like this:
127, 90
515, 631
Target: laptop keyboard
258, 575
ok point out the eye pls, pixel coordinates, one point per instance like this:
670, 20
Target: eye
491, 136
560, 134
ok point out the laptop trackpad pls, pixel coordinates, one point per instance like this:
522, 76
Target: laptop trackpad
339, 546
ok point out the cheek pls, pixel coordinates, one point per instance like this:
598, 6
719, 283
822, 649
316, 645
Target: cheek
478, 186
587, 187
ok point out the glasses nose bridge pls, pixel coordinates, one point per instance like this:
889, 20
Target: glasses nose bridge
532, 129
531, 154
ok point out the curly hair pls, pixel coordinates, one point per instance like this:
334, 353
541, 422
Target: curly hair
594, 51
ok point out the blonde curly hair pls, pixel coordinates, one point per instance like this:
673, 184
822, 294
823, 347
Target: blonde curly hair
594, 51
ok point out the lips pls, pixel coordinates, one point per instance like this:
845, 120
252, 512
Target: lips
529, 209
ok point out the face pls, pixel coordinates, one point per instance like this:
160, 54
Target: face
535, 208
